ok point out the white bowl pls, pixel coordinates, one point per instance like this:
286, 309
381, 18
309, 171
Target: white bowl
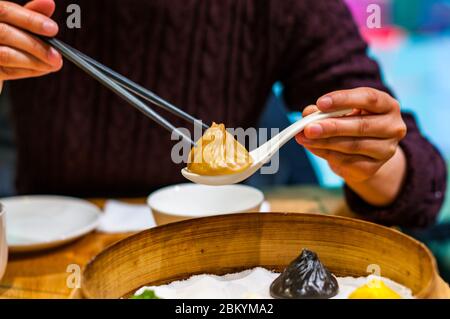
3, 244
186, 201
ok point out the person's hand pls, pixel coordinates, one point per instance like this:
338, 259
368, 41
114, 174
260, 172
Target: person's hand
358, 145
21, 54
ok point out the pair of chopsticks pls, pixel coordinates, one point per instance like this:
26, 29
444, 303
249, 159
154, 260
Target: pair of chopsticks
125, 88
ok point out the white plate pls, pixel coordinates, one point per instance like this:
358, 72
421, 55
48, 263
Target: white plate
41, 222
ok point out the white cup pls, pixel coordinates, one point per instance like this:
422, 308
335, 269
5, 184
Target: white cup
184, 201
3, 244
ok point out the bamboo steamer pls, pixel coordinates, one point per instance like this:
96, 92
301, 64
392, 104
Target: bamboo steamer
230, 243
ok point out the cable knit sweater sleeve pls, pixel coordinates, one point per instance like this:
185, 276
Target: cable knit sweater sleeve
330, 55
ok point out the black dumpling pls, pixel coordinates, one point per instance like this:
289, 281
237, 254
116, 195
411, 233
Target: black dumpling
305, 278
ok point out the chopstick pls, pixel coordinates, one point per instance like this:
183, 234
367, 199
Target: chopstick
139, 90
116, 88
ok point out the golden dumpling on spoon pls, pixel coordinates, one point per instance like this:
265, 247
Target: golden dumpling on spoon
218, 153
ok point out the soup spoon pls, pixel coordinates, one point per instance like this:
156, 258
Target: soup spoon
262, 154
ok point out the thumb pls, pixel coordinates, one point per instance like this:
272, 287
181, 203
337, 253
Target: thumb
309, 110
45, 7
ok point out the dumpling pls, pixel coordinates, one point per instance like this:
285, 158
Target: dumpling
374, 289
305, 278
218, 153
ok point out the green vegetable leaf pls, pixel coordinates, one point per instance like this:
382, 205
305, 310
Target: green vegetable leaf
147, 294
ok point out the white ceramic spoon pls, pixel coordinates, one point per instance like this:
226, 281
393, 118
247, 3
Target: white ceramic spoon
262, 154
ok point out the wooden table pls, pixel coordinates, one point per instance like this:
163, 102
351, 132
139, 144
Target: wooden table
46, 274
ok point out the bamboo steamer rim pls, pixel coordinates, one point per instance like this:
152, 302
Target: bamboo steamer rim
191, 222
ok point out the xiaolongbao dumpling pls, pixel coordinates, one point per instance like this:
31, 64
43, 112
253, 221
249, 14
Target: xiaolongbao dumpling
305, 278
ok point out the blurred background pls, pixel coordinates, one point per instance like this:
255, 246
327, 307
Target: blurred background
413, 49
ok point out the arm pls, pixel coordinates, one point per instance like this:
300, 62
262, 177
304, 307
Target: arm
387, 181
422, 193
383, 187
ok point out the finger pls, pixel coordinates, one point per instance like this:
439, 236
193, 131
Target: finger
14, 38
367, 99
14, 14
356, 167
309, 110
45, 7
375, 148
14, 58
313, 109
352, 126
16, 73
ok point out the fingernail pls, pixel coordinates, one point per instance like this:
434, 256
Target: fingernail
53, 55
325, 102
315, 130
50, 26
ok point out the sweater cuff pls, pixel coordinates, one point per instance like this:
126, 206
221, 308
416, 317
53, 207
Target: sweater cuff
420, 199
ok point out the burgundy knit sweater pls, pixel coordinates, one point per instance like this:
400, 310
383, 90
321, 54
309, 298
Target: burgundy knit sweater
217, 60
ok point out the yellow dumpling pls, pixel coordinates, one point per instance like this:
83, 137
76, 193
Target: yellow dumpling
218, 153
375, 289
